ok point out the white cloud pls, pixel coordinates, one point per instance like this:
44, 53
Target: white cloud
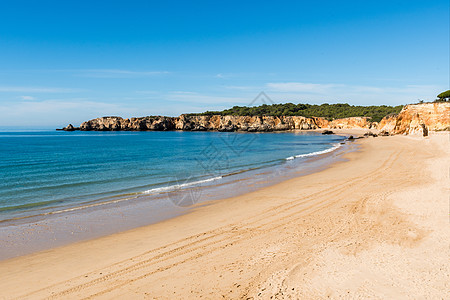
27, 89
147, 92
196, 98
228, 75
27, 98
184, 93
353, 94
332, 87
117, 73
243, 88
58, 112
301, 87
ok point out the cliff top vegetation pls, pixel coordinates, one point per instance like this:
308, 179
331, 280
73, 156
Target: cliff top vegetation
328, 111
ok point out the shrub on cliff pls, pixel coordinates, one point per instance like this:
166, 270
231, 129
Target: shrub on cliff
328, 111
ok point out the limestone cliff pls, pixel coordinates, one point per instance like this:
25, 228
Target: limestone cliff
413, 119
353, 122
246, 123
132, 124
203, 123
222, 123
418, 119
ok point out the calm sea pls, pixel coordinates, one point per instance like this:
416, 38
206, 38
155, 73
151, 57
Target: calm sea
50, 172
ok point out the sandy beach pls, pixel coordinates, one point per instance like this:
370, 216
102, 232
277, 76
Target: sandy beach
373, 226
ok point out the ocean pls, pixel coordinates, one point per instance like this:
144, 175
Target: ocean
60, 187
51, 172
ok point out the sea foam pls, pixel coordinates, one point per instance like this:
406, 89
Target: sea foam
336, 146
178, 186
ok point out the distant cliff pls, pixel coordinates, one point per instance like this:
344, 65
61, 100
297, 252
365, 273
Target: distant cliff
220, 123
204, 123
413, 119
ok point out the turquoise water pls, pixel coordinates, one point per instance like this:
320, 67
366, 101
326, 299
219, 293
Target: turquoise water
44, 172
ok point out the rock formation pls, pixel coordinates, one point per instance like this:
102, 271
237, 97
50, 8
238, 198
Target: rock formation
413, 119
327, 132
203, 123
69, 128
352, 122
133, 124
418, 119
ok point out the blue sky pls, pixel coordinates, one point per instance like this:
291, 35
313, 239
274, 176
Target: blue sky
69, 61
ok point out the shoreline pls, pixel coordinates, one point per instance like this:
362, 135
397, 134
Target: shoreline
72, 224
119, 197
279, 239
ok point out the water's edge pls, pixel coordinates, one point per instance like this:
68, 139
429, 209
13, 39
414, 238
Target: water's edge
52, 229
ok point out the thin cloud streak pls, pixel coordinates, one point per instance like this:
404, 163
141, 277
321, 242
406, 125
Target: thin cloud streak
332, 88
27, 98
59, 112
117, 73
197, 98
307, 92
354, 94
301, 87
26, 89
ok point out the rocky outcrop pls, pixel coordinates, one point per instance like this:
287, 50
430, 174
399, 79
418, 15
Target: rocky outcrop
133, 124
221, 123
387, 124
418, 119
352, 122
203, 123
69, 128
413, 119
327, 132
246, 123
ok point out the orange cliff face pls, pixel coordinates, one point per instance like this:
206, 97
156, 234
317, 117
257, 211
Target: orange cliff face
221, 123
352, 122
245, 123
413, 119
418, 119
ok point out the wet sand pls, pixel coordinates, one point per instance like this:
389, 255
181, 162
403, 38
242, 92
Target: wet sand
376, 226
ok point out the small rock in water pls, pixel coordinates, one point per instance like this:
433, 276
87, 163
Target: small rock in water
69, 128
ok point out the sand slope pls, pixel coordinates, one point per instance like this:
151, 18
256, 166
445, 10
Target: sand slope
375, 226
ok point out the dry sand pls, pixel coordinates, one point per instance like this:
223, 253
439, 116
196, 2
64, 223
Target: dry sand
375, 226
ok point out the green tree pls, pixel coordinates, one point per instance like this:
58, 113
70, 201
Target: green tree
444, 96
328, 111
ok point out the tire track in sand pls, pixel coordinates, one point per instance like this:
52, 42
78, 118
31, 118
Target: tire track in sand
203, 241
